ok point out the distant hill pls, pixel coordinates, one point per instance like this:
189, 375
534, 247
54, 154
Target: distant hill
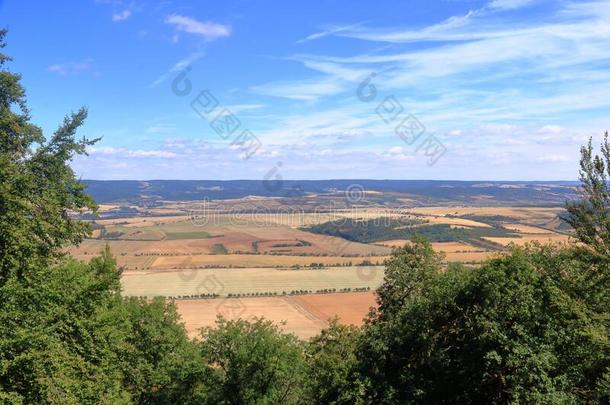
422, 191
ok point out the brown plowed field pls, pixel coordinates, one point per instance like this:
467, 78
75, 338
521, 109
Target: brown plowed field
304, 315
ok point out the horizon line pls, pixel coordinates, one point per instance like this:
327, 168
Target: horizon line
351, 179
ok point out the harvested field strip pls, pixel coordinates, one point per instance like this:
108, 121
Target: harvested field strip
542, 238
305, 316
468, 257
236, 260
193, 282
454, 247
350, 308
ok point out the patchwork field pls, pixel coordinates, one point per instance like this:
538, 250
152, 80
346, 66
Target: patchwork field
296, 264
303, 259
263, 238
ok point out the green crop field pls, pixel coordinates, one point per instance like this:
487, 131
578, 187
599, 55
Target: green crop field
170, 231
187, 235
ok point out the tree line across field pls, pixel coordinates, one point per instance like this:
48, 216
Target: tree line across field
528, 326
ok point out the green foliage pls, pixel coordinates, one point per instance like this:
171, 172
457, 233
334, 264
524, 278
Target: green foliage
37, 186
590, 216
63, 333
332, 365
379, 229
516, 329
365, 231
66, 334
163, 365
254, 362
409, 269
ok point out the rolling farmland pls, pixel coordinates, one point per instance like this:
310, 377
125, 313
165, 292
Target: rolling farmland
272, 264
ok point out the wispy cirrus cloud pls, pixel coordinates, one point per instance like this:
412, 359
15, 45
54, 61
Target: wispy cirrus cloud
337, 78
208, 30
442, 31
534, 62
70, 68
131, 153
325, 33
177, 67
302, 90
492, 85
511, 4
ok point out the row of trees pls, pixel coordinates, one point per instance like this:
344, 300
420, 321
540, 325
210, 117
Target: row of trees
530, 326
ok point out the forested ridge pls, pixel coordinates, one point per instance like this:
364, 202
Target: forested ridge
528, 326
380, 229
433, 192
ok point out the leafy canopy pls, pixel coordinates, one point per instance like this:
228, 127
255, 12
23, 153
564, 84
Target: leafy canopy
38, 189
590, 216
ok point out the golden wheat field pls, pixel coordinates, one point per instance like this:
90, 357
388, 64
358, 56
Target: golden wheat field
528, 238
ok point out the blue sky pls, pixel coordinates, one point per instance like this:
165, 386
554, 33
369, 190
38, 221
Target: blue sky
507, 89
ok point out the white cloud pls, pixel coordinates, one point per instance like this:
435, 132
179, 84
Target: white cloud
337, 79
69, 68
326, 33
521, 92
130, 153
122, 15
550, 129
443, 31
510, 4
305, 90
478, 68
178, 66
209, 30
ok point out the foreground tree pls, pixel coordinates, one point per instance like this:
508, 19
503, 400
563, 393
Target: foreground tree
512, 330
63, 335
66, 334
332, 365
37, 186
590, 216
410, 267
162, 365
254, 362
68, 337
530, 326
